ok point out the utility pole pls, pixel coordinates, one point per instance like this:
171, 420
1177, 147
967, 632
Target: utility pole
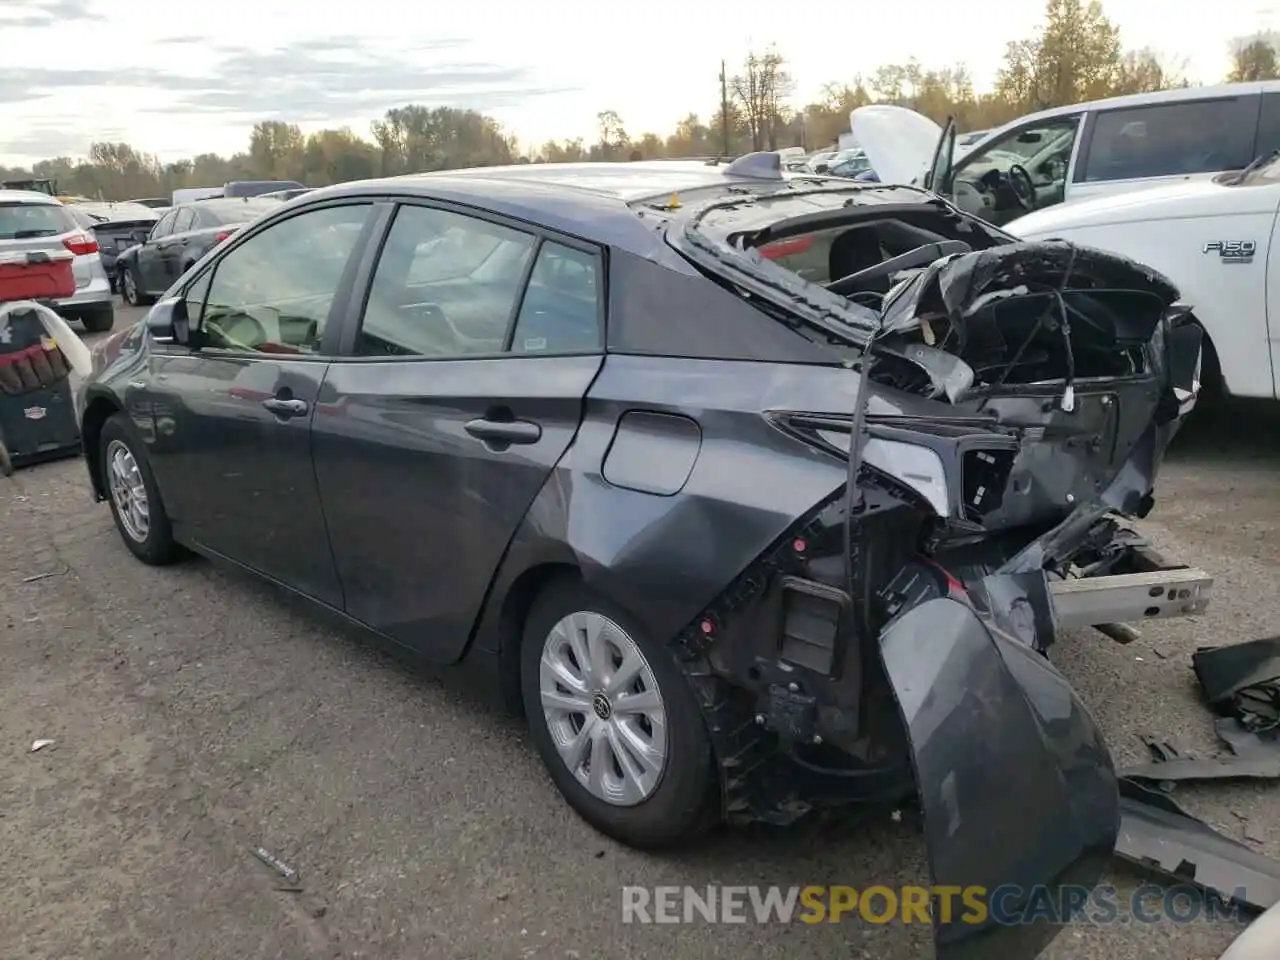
724, 110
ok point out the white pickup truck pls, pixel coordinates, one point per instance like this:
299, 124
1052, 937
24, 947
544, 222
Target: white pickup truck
1215, 237
1217, 242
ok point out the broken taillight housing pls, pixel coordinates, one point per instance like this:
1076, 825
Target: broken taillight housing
81, 244
222, 236
785, 248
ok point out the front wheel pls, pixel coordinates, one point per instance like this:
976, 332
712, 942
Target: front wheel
135, 499
129, 289
616, 722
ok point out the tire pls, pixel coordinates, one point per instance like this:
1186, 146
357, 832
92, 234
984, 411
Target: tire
130, 293
154, 545
99, 321
683, 800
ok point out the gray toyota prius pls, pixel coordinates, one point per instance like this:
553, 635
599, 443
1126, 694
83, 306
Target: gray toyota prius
755, 491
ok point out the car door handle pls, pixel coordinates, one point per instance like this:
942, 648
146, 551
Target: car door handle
286, 408
504, 431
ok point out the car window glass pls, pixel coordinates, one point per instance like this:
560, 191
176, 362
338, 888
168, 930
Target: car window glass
185, 221
273, 292
560, 311
1166, 139
445, 285
1268, 125
164, 226
1042, 149
23, 221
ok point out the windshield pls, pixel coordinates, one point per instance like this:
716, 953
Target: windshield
1265, 169
25, 221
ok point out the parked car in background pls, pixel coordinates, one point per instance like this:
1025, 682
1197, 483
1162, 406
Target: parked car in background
38, 185
156, 203
1219, 241
31, 221
970, 138
116, 227
848, 163
738, 544
192, 194
819, 159
1078, 152
255, 188
178, 239
287, 194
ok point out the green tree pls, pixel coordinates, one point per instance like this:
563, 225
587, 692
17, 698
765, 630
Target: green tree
1254, 58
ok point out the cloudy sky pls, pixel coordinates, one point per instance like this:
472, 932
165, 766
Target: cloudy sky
75, 71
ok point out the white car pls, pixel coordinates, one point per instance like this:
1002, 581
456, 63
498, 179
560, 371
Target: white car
37, 221
1217, 241
1077, 152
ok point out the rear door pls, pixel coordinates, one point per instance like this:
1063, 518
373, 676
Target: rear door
232, 444
460, 387
1131, 148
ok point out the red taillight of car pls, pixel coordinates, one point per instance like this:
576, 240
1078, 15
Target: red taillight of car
786, 248
81, 244
222, 236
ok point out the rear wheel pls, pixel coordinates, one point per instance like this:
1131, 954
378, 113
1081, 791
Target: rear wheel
99, 320
615, 721
135, 499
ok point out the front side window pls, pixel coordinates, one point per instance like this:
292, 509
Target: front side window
446, 285
1043, 150
186, 220
164, 226
1171, 139
273, 293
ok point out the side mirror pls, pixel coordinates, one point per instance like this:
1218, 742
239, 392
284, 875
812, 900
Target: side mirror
181, 322
167, 322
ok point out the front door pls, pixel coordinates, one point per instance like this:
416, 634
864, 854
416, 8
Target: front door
463, 388
1025, 169
149, 259
234, 447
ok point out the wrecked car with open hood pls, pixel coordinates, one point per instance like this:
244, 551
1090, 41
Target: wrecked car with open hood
759, 494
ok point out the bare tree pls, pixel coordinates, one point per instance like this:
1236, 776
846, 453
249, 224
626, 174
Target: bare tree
760, 91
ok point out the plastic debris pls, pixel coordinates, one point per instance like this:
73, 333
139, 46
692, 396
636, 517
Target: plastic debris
40, 744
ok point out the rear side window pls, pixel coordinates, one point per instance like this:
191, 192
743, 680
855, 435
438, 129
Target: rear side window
446, 285
1169, 139
26, 221
560, 312
1268, 125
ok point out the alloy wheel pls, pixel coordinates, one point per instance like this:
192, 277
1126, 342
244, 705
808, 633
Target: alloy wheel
603, 708
128, 491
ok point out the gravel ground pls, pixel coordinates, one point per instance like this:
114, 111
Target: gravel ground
197, 715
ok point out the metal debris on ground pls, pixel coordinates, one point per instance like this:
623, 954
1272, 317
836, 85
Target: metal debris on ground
278, 865
47, 574
41, 744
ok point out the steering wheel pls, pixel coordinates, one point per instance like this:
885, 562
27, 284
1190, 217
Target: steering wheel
1024, 188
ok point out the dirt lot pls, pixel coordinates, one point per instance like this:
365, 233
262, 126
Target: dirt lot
197, 715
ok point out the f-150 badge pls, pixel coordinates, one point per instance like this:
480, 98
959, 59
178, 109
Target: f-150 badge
1233, 251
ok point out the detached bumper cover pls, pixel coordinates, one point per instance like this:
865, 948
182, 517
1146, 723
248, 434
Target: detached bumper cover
1017, 788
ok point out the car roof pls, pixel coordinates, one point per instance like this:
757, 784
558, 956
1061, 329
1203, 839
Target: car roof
1178, 95
592, 201
28, 196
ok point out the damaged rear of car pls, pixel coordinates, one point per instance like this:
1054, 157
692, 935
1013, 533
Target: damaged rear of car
1013, 404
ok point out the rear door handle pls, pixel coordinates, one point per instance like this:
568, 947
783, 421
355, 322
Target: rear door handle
504, 431
286, 408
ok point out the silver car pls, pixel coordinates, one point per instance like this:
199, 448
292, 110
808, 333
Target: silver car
37, 221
